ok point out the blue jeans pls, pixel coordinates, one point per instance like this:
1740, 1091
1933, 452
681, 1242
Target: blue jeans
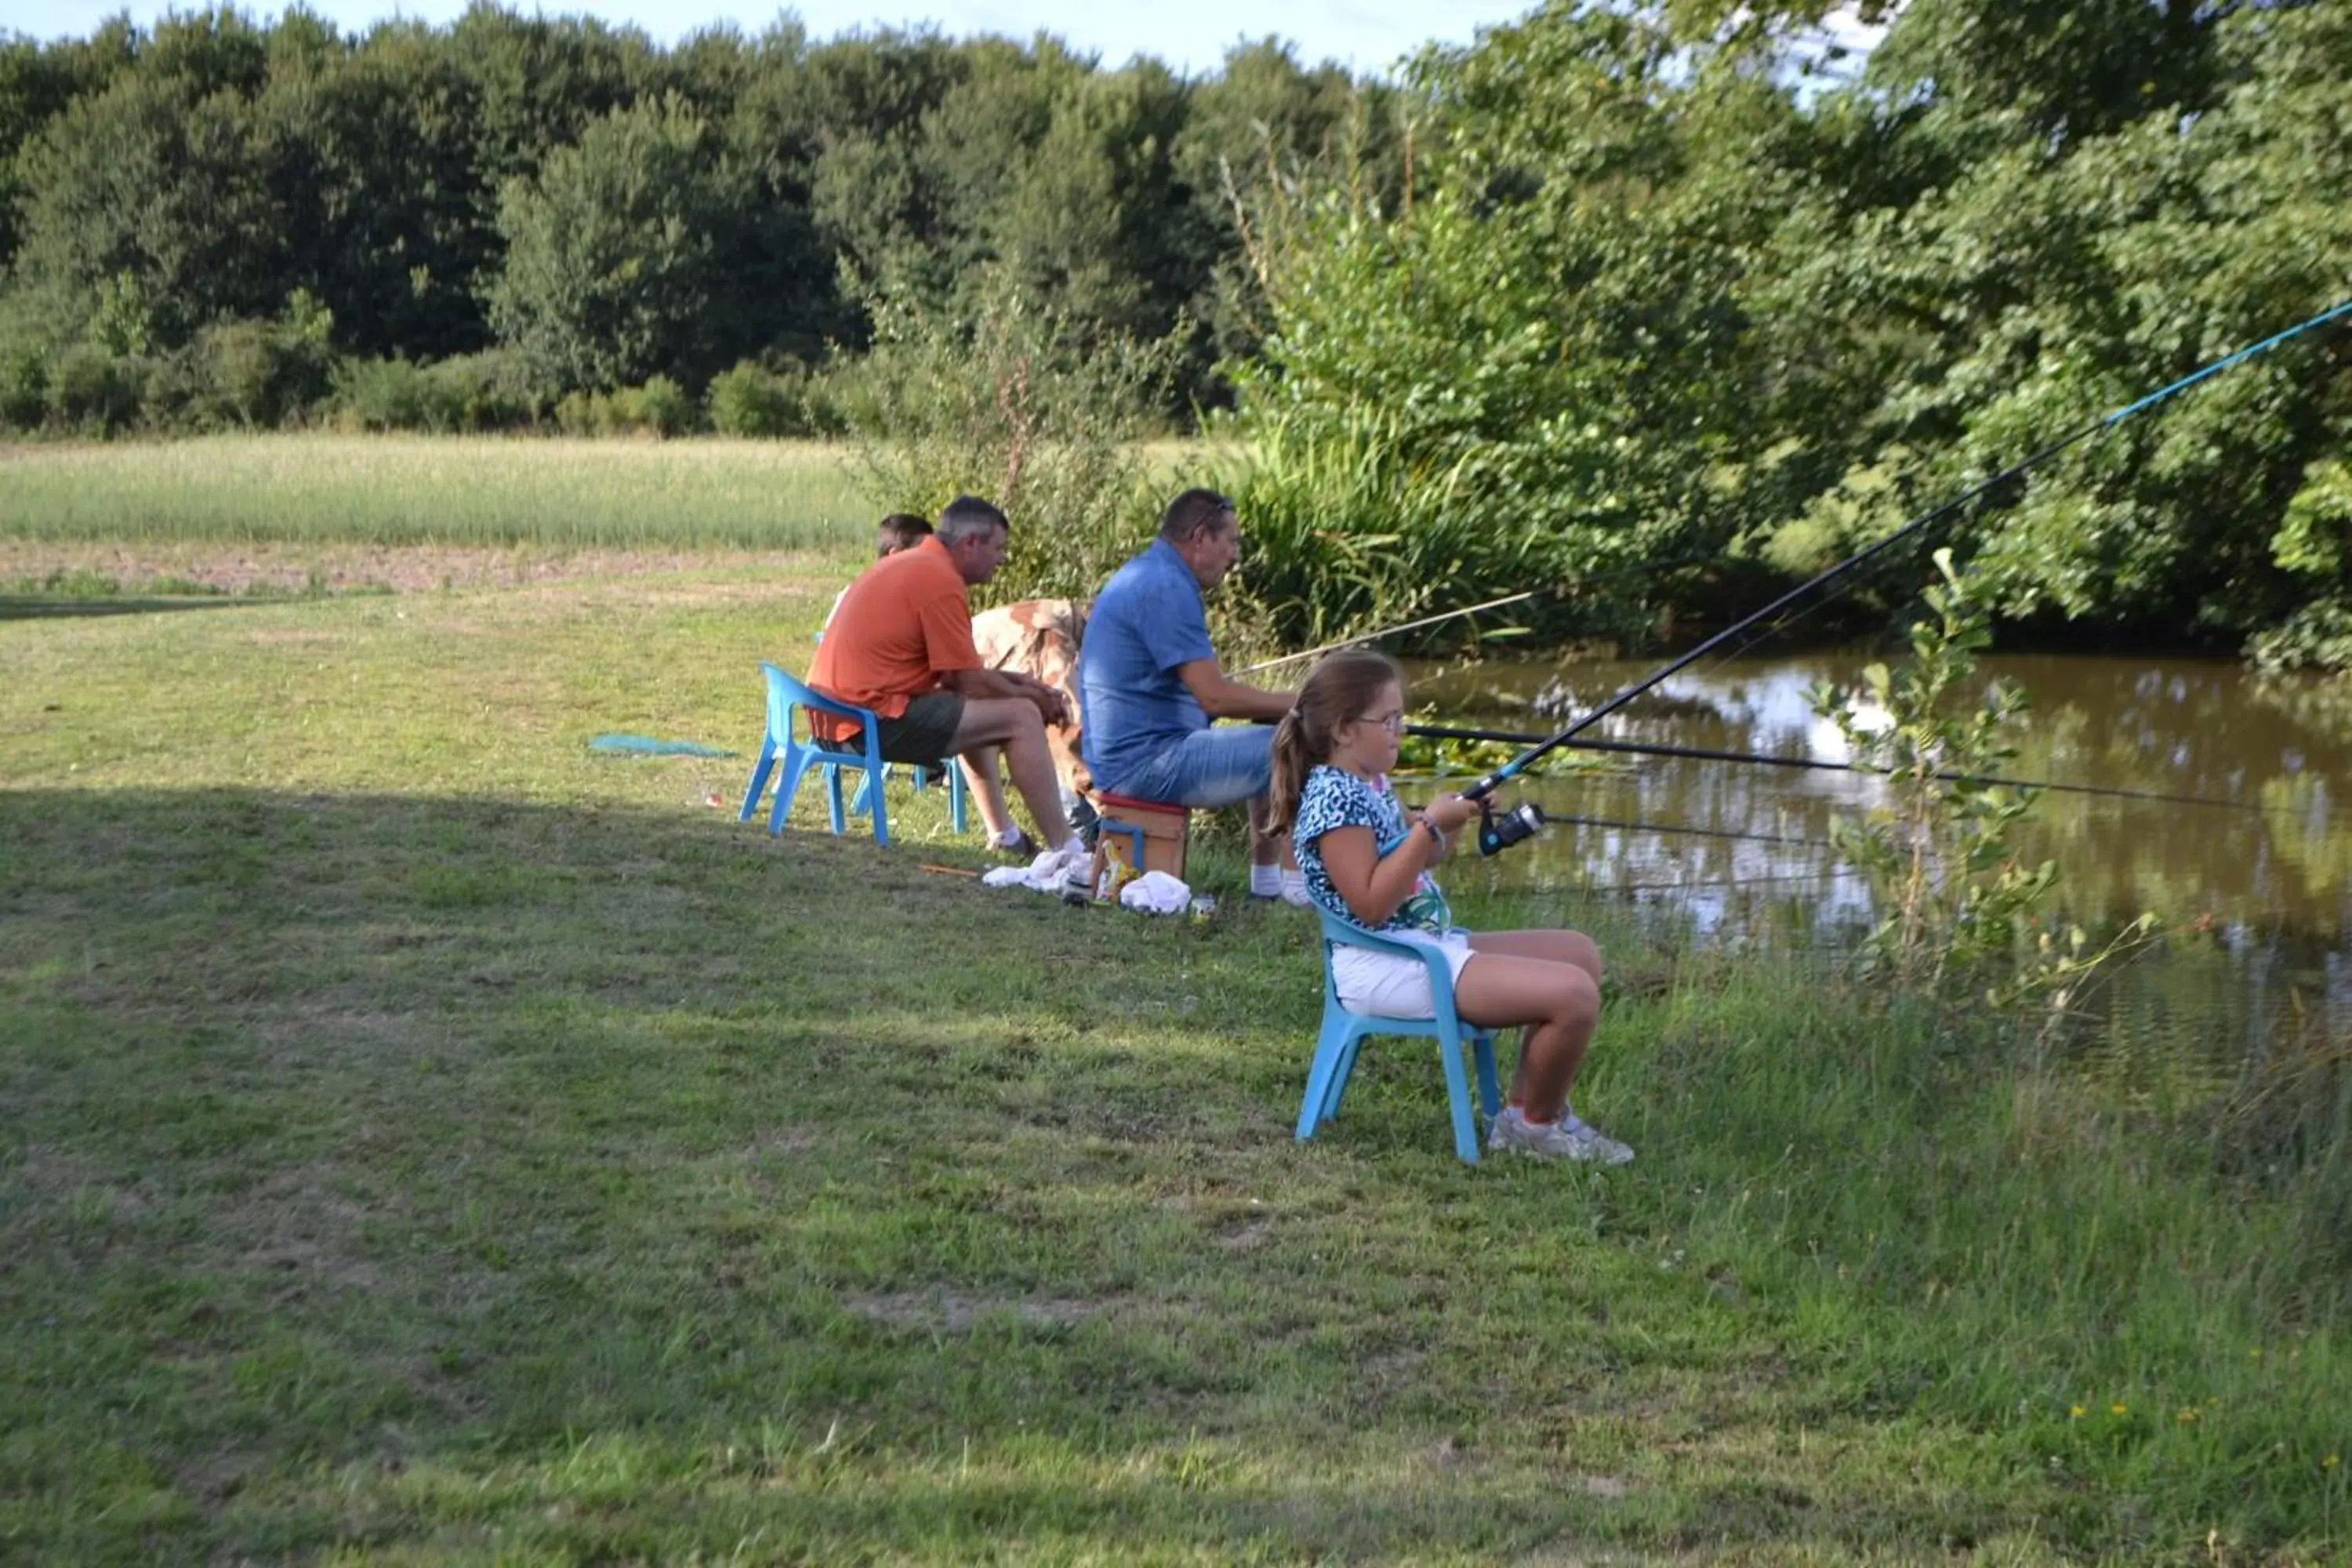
1206, 768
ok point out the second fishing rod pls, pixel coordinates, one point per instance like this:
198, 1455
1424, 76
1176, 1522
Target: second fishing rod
1499, 829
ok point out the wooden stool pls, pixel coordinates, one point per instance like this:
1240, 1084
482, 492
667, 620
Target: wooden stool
1156, 831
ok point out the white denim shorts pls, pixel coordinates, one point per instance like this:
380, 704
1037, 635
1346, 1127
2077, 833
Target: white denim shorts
1390, 984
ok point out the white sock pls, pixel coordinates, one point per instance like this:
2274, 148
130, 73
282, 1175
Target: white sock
1293, 887
1006, 837
1265, 881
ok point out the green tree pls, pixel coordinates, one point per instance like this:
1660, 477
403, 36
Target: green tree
37, 83
609, 261
1539, 363
377, 168
1263, 126
876, 201
1957, 323
148, 179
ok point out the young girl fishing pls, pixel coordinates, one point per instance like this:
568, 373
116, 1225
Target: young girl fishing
1367, 861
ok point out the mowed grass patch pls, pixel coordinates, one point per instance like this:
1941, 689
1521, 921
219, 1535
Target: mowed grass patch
430, 1175
552, 494
422, 1139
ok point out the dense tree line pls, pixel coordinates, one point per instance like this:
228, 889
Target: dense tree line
593, 210
1669, 323
1651, 303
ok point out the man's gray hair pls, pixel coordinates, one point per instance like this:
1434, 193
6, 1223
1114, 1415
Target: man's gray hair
1196, 512
969, 517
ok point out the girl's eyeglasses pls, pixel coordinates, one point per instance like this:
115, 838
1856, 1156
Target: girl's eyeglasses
1392, 723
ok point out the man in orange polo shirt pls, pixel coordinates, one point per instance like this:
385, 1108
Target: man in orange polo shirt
900, 644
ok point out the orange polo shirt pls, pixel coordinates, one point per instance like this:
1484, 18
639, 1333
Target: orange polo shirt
902, 624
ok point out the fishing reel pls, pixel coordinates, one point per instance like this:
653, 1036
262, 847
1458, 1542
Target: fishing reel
1498, 830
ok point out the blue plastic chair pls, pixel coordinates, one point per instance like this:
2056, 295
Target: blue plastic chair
787, 698
1344, 1031
923, 778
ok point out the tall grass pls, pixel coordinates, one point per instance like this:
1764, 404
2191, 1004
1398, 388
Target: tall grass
468, 491
2149, 1308
1345, 535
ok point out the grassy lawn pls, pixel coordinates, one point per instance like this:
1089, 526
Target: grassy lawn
425, 1140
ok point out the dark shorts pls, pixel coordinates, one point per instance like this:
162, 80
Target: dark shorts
920, 735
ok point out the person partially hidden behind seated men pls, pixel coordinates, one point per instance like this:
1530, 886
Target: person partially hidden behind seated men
900, 531
900, 644
1149, 686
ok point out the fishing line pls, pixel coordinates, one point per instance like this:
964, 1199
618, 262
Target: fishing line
1708, 754
1694, 832
2107, 421
1823, 874
1499, 833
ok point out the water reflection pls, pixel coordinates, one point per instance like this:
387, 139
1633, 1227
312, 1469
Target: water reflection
2256, 885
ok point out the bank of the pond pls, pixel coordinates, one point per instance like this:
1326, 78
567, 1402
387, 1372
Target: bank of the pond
422, 1138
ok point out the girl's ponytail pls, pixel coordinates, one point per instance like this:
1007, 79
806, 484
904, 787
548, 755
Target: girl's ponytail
1336, 691
1292, 762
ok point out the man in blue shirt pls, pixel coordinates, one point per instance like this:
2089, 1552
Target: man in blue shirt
1150, 685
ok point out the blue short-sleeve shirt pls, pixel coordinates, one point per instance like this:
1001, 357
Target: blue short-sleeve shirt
1147, 620
1334, 797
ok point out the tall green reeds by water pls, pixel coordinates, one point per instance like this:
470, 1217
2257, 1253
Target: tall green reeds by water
1347, 531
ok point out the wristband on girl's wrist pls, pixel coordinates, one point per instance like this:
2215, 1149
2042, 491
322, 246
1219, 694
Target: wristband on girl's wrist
1436, 833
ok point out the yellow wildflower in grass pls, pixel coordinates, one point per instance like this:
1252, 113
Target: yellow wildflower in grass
2192, 1414
2330, 1462
2074, 1412
2117, 1408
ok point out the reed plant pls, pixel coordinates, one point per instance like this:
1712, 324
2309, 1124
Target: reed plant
1347, 532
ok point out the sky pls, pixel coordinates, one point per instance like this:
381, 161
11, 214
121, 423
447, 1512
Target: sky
1189, 36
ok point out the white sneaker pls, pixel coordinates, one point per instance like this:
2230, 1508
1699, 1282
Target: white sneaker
1610, 1151
1566, 1139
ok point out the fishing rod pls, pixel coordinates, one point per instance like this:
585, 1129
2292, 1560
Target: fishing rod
1643, 571
1708, 754
1498, 831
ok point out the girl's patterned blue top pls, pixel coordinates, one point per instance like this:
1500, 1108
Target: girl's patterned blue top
1335, 797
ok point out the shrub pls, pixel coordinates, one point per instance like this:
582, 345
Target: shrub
487, 391
842, 398
580, 413
24, 386
178, 393
247, 369
383, 395
95, 391
1014, 404
469, 391
662, 407
753, 401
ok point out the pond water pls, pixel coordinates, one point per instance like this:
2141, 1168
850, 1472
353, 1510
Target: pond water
2250, 866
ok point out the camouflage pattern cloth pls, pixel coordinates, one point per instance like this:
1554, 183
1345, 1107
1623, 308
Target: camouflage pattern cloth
1039, 638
